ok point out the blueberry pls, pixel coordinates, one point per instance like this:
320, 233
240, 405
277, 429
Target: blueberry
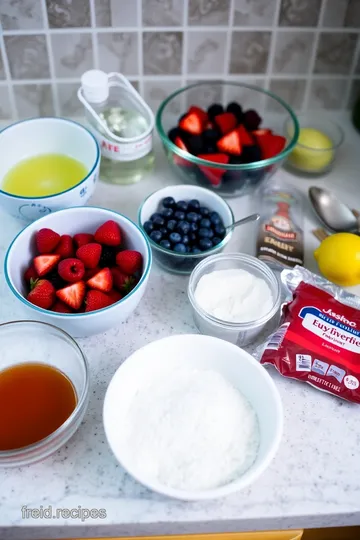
179, 215
171, 225
216, 240
211, 136
192, 217
156, 236
148, 226
167, 213
219, 230
168, 202
194, 205
195, 144
211, 233
183, 227
165, 244
164, 231
174, 237
173, 133
203, 233
180, 248
155, 215
193, 237
215, 218
204, 211
182, 205
193, 227
195, 249
214, 110
205, 222
186, 240
158, 221
205, 244
250, 154
236, 109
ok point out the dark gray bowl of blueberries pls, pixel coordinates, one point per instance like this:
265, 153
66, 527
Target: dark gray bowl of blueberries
184, 224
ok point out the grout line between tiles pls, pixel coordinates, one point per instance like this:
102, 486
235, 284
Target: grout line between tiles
8, 82
52, 81
140, 40
185, 46
273, 43
94, 40
228, 43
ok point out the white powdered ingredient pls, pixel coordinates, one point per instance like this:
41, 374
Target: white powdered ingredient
234, 295
191, 430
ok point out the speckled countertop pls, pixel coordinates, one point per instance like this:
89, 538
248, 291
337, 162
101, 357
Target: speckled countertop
314, 479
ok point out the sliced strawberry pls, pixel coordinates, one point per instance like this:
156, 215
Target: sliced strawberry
129, 261
72, 295
122, 282
271, 145
226, 122
82, 239
90, 272
46, 240
89, 254
261, 132
42, 293
203, 115
114, 296
30, 274
109, 234
102, 281
65, 247
97, 300
45, 263
60, 307
212, 174
245, 137
230, 143
193, 122
178, 160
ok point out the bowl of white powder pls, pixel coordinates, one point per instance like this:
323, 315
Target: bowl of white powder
233, 297
193, 417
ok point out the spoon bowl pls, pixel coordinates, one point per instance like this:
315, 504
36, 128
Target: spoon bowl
333, 213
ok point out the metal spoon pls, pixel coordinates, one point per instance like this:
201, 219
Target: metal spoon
334, 214
248, 219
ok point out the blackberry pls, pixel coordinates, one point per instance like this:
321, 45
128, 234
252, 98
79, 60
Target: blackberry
108, 257
250, 154
236, 109
214, 110
251, 120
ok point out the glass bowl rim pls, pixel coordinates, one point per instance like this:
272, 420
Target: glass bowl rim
229, 166
38, 445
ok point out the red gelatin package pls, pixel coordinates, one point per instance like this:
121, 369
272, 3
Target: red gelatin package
318, 340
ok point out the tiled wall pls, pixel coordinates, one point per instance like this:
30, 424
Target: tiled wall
307, 51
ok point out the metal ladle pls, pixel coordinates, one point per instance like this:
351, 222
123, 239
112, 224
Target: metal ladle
334, 214
248, 219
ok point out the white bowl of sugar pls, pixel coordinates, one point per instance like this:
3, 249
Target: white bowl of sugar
193, 417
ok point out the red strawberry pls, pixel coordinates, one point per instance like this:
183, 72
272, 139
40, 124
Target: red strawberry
245, 137
65, 247
230, 143
193, 122
129, 261
108, 233
121, 281
42, 293
261, 132
212, 174
89, 254
60, 307
82, 239
71, 270
178, 160
226, 122
46, 240
90, 272
72, 295
45, 263
30, 274
200, 112
102, 281
114, 296
97, 300
271, 145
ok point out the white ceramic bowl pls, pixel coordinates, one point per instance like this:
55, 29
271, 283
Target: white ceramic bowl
72, 221
180, 263
37, 136
197, 352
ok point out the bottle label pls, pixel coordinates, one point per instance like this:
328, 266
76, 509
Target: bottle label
123, 151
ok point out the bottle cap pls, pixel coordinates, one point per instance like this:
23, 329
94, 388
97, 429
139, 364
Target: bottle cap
95, 86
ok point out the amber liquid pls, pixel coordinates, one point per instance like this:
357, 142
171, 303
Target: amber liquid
35, 400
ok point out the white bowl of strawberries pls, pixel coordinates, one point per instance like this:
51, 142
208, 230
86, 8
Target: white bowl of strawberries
82, 269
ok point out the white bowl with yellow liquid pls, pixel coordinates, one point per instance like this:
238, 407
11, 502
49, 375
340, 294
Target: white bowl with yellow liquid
47, 164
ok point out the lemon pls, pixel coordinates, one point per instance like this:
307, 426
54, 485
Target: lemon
338, 258
313, 151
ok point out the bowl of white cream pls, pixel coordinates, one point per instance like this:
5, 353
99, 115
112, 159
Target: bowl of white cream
233, 296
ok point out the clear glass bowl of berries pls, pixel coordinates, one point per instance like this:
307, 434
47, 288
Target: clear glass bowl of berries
226, 136
184, 224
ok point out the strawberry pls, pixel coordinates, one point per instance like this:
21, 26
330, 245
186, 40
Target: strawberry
271, 145
178, 160
245, 137
96, 300
121, 281
89, 254
60, 307
213, 174
65, 247
72, 295
46, 240
45, 263
261, 132
200, 112
129, 261
71, 270
102, 281
226, 122
230, 143
108, 233
30, 274
193, 122
82, 239
114, 296
90, 272
42, 293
